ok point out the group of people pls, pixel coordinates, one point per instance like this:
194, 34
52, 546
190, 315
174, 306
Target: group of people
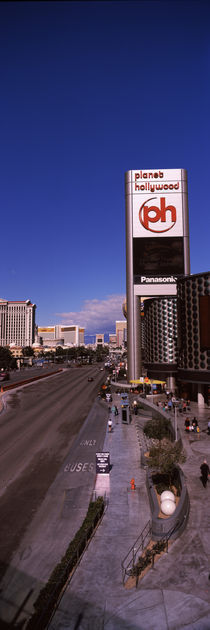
191, 425
170, 403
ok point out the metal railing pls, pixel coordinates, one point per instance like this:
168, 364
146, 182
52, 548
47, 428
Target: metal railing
128, 563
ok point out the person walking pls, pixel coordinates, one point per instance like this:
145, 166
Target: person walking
187, 424
116, 414
170, 405
110, 425
195, 424
204, 468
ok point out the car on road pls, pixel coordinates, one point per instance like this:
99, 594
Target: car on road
90, 379
4, 375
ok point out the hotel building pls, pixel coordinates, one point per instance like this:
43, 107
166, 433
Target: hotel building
193, 300
64, 335
121, 332
17, 322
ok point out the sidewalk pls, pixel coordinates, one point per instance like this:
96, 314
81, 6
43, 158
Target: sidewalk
175, 595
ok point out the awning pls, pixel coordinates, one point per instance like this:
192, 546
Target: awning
147, 381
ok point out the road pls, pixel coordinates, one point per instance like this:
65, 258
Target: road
30, 372
38, 429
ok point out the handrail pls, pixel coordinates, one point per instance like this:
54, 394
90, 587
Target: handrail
166, 537
128, 569
134, 549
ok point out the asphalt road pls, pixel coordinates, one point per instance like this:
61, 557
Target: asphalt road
38, 429
29, 372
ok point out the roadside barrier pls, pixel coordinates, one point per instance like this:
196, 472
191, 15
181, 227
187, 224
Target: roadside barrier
5, 388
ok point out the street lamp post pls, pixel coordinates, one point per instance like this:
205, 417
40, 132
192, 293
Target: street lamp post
175, 421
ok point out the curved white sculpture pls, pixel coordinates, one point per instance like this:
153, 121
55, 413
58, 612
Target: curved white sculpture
168, 507
167, 494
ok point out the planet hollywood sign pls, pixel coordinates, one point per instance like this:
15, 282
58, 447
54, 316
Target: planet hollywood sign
161, 213
157, 243
155, 186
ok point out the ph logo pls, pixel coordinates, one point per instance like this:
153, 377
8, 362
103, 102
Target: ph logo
152, 214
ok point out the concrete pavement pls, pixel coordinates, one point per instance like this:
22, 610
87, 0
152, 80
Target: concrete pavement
175, 595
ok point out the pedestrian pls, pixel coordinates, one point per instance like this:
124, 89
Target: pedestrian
170, 405
187, 424
135, 407
204, 468
116, 414
195, 424
173, 401
110, 425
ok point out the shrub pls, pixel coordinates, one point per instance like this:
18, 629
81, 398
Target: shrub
164, 458
158, 428
48, 596
165, 481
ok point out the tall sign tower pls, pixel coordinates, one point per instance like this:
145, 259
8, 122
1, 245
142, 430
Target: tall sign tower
157, 244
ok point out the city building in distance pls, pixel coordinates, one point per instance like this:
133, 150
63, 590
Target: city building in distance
17, 322
99, 340
60, 334
112, 340
121, 333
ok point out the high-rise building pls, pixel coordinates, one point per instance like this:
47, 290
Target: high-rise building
17, 322
193, 300
121, 332
100, 340
46, 333
67, 335
112, 341
81, 336
160, 328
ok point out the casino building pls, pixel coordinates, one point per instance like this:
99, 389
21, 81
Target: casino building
193, 301
61, 335
17, 322
160, 337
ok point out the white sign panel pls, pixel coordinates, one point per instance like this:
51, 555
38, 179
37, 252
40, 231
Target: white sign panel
175, 177
157, 215
157, 202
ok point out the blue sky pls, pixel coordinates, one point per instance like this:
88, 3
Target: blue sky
90, 90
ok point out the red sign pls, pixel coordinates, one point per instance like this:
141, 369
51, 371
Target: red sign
154, 214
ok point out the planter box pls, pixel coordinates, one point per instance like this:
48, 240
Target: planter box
175, 523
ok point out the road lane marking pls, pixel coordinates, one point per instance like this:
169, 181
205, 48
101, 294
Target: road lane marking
79, 467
